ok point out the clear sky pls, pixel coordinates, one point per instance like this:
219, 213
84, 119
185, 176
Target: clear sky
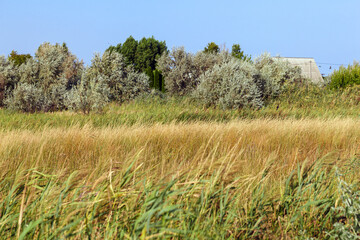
327, 30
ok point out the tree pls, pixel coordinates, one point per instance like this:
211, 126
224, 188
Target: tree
116, 48
18, 59
238, 53
212, 48
142, 56
128, 50
158, 80
148, 50
150, 74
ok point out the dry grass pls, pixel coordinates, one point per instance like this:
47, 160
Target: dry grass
243, 147
243, 179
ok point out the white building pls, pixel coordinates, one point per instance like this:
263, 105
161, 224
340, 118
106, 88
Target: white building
308, 66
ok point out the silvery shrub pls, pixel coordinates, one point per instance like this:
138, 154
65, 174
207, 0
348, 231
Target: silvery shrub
182, 69
26, 97
275, 74
91, 94
230, 85
52, 72
123, 81
9, 77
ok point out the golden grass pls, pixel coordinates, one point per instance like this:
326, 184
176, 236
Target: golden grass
240, 148
237, 178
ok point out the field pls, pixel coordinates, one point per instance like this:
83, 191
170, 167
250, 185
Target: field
170, 168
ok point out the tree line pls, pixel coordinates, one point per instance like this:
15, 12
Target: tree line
55, 79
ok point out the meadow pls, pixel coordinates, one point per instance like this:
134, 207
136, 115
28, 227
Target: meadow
170, 168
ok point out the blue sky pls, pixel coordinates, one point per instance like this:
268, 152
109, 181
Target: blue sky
327, 30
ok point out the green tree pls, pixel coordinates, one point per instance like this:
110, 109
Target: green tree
345, 76
148, 50
150, 74
212, 48
116, 48
238, 53
18, 59
158, 80
128, 50
142, 56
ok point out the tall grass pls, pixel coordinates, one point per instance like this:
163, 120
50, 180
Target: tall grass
242, 179
170, 148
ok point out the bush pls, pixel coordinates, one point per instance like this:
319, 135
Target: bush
54, 96
123, 81
2, 89
230, 85
57, 63
9, 77
177, 68
274, 75
158, 80
137, 84
345, 77
52, 72
182, 70
25, 97
240, 83
205, 61
91, 94
2, 79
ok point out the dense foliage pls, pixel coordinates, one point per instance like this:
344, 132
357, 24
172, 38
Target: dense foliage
123, 81
27, 98
9, 77
212, 48
345, 77
18, 59
238, 83
182, 69
52, 72
56, 80
274, 74
220, 79
91, 94
2, 89
230, 85
238, 53
142, 55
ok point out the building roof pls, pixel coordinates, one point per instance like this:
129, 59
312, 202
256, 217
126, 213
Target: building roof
308, 67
